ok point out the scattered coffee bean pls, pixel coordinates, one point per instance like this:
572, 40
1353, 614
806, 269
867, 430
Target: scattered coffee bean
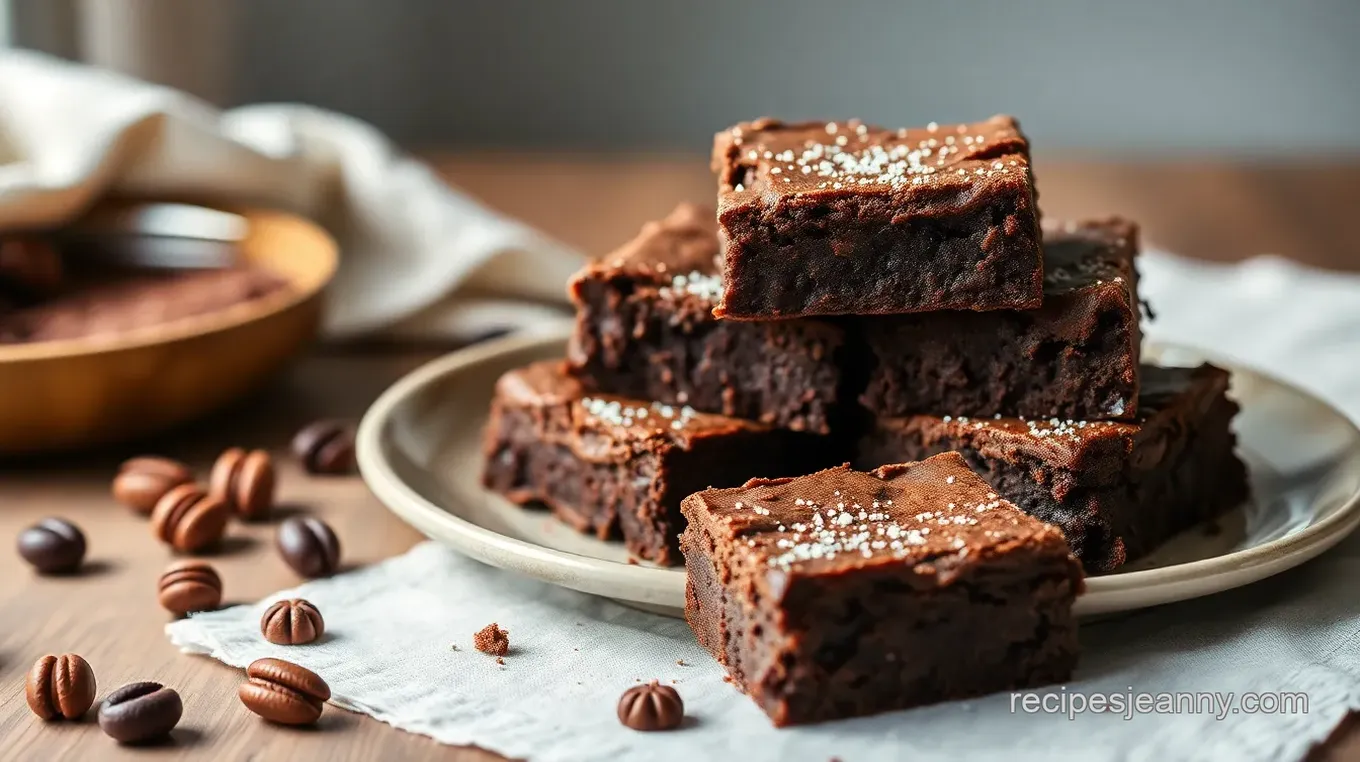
140, 712
189, 585
60, 686
309, 546
491, 639
245, 480
292, 623
53, 546
283, 692
188, 519
326, 447
142, 482
651, 707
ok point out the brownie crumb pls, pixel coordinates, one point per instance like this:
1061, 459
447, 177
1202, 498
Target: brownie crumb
500, 661
632, 561
681, 662
491, 639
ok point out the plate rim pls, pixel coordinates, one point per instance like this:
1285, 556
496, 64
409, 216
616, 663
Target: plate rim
1180, 581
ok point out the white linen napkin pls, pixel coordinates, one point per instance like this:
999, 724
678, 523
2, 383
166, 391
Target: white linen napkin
393, 625
418, 258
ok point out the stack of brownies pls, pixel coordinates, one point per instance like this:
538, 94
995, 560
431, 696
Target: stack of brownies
887, 298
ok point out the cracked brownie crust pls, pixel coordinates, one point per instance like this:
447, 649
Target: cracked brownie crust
645, 329
612, 466
846, 593
838, 218
1117, 489
1074, 357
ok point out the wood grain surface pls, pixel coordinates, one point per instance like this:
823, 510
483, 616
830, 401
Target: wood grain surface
109, 613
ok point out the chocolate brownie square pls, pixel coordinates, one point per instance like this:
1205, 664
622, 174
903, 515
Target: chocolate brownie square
614, 466
1074, 357
842, 218
846, 593
1117, 489
645, 329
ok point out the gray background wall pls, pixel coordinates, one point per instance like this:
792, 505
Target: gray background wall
1258, 76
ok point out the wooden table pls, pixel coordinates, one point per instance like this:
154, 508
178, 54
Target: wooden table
109, 614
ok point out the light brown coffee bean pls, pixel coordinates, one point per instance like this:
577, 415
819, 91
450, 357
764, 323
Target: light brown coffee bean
188, 519
245, 480
141, 482
60, 686
651, 707
189, 585
283, 692
292, 623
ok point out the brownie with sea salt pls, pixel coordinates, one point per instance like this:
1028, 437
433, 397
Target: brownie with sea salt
1074, 357
1118, 489
844, 218
618, 467
645, 328
846, 593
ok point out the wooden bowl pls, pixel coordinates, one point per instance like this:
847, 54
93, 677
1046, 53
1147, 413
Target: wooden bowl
59, 395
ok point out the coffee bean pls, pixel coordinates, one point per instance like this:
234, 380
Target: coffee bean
326, 447
283, 692
187, 586
309, 546
651, 707
140, 712
188, 519
60, 686
245, 480
52, 546
141, 482
292, 623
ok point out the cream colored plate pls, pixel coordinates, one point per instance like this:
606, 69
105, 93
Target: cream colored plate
420, 451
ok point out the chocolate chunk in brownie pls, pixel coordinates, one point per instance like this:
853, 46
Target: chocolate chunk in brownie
645, 329
842, 218
615, 466
1117, 489
846, 593
1074, 357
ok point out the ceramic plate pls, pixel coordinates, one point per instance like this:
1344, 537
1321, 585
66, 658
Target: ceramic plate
420, 451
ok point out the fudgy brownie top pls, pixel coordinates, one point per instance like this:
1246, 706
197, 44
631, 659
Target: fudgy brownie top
547, 385
935, 512
1085, 255
677, 255
1167, 399
768, 156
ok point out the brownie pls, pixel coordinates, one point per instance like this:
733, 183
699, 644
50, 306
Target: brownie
1117, 489
614, 466
846, 593
1074, 357
645, 329
841, 218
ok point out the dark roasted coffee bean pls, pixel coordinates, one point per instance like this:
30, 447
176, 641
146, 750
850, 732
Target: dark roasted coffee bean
188, 519
651, 707
326, 447
60, 686
309, 546
53, 546
140, 712
142, 482
283, 692
187, 586
292, 623
245, 480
